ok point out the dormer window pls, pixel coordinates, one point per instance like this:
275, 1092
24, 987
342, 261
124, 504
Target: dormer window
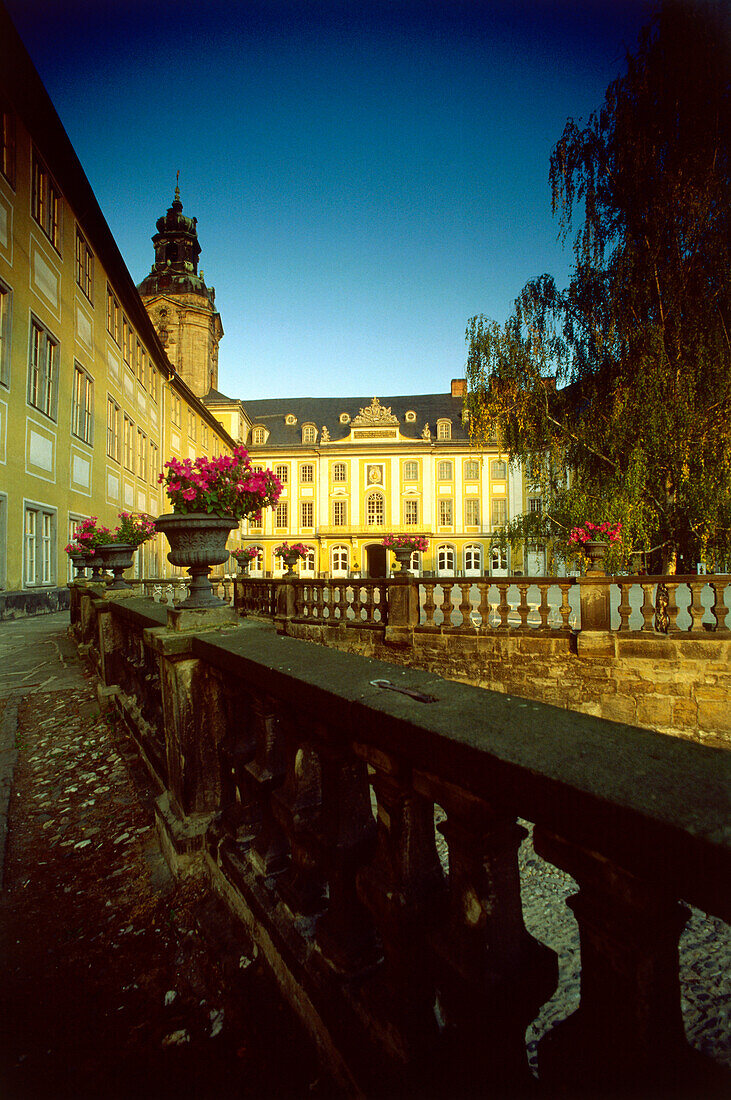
444, 429
309, 433
258, 435
290, 418
410, 417
345, 418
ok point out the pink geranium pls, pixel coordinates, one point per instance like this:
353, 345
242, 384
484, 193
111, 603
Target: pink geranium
222, 486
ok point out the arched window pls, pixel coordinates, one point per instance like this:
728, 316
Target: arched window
444, 470
257, 435
307, 565
339, 561
415, 563
445, 559
309, 433
376, 509
257, 563
473, 560
444, 429
499, 562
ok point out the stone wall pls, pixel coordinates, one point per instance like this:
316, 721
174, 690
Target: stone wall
676, 685
18, 605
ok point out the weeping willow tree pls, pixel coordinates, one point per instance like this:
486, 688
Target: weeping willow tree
616, 391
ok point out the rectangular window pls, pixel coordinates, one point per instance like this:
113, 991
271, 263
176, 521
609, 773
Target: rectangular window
112, 429
411, 471
307, 472
535, 505
340, 512
46, 202
471, 470
84, 265
154, 463
127, 342
498, 469
445, 513
7, 145
282, 472
444, 471
175, 415
6, 300
340, 471
39, 546
499, 513
113, 313
281, 516
82, 405
129, 444
411, 512
191, 424
141, 454
307, 510
43, 369
204, 436
472, 513
139, 363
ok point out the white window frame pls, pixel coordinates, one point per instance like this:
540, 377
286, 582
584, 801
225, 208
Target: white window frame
498, 469
6, 324
339, 561
307, 473
45, 201
411, 470
473, 559
471, 469
82, 405
444, 429
307, 514
282, 472
340, 513
472, 504
114, 413
445, 559
43, 360
39, 545
84, 266
445, 470
499, 508
446, 512
309, 434
411, 512
340, 468
375, 509
281, 513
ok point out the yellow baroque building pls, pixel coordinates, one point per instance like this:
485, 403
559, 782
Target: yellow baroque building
90, 404
355, 469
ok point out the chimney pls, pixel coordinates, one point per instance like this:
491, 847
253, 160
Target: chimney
459, 387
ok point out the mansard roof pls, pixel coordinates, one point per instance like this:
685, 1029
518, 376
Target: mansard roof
326, 412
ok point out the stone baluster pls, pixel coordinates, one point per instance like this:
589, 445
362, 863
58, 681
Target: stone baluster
544, 610
503, 606
318, 602
446, 605
240, 817
403, 887
484, 607
627, 1033
523, 606
296, 806
718, 608
465, 606
648, 607
625, 607
672, 606
269, 850
695, 608
339, 602
429, 602
345, 838
492, 975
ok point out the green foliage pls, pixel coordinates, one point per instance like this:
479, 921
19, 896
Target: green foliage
621, 383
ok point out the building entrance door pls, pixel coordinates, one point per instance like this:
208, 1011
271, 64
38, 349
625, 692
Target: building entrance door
375, 560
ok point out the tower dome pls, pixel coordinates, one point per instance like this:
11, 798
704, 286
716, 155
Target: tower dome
180, 305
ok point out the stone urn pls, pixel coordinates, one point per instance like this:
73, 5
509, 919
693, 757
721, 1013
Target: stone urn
79, 562
197, 542
290, 561
403, 557
117, 556
595, 551
96, 565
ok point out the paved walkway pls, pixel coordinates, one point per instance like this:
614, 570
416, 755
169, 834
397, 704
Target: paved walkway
117, 982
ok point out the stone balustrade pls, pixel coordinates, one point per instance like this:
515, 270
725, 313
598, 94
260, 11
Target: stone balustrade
308, 789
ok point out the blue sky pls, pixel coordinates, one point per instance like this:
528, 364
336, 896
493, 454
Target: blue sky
367, 174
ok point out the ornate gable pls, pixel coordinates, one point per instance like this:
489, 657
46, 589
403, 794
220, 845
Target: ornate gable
375, 415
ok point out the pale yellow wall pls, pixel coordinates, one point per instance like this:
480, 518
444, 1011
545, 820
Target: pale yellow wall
40, 459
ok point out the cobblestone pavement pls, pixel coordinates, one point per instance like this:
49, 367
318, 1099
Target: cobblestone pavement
116, 981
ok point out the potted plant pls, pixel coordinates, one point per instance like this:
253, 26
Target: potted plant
117, 554
290, 555
209, 498
91, 536
592, 540
245, 557
80, 558
403, 546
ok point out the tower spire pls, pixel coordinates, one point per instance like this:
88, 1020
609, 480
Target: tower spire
177, 187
